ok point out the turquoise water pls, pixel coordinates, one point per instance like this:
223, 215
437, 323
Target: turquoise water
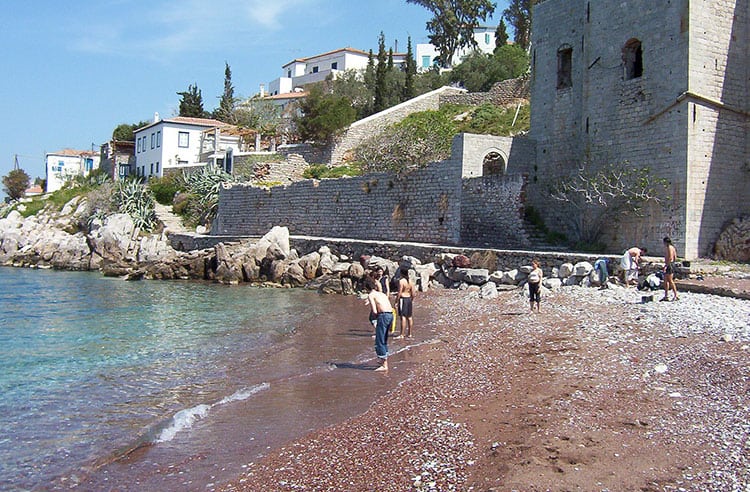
93, 367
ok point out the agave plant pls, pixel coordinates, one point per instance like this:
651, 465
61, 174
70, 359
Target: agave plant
133, 198
204, 185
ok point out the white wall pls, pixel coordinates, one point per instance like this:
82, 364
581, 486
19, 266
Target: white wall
61, 168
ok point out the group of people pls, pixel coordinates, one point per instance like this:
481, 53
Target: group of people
630, 265
382, 314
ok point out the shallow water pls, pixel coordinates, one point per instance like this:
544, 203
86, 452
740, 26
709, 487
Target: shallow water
168, 385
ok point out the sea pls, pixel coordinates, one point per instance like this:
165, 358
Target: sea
110, 384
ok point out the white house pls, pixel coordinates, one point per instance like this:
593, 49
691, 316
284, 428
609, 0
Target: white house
302, 71
173, 144
427, 53
66, 164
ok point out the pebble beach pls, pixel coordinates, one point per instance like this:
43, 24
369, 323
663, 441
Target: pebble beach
598, 391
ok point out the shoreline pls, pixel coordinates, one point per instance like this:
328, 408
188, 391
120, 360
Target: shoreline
572, 397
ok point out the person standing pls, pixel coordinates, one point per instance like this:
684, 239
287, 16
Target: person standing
670, 257
406, 294
381, 308
535, 283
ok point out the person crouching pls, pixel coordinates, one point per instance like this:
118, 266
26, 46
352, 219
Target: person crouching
381, 307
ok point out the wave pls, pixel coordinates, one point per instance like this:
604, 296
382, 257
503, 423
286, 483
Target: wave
184, 419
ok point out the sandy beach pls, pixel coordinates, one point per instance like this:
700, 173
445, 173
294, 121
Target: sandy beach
598, 391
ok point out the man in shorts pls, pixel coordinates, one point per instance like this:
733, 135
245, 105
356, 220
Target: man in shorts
404, 300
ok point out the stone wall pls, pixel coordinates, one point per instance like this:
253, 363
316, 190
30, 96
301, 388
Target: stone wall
492, 212
422, 206
503, 93
360, 130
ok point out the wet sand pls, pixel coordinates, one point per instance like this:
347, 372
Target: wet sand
317, 376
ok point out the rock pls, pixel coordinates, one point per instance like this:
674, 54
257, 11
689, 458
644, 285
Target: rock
484, 259
512, 277
201, 229
341, 267
552, 283
474, 276
571, 281
294, 276
445, 259
327, 262
424, 274
526, 269
461, 261
488, 291
733, 244
356, 271
565, 270
409, 262
331, 285
347, 286
496, 277
582, 268
277, 270
310, 263
277, 240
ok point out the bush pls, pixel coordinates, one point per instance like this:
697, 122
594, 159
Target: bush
200, 201
165, 189
133, 198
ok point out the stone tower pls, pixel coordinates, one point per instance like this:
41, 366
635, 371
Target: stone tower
662, 84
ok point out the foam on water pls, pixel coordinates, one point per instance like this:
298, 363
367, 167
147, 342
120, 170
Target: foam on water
184, 419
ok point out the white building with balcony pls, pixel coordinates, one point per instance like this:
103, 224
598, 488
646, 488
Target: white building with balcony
171, 145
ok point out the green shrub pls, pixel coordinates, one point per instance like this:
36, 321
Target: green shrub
165, 189
201, 194
133, 198
322, 171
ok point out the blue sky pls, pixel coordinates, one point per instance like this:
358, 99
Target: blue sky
73, 70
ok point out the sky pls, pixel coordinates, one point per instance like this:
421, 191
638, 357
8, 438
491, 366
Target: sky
73, 70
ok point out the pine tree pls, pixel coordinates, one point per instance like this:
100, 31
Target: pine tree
225, 111
501, 35
191, 102
381, 73
410, 71
518, 15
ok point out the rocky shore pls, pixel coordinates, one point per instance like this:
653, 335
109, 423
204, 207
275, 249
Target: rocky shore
598, 391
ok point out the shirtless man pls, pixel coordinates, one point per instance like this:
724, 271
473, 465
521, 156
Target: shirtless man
381, 307
629, 264
670, 256
406, 293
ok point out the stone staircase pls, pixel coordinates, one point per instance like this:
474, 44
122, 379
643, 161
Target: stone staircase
172, 222
539, 241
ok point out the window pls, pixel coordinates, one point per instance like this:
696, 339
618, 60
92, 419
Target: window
632, 58
315, 69
157, 167
334, 66
183, 139
289, 74
153, 140
486, 38
426, 61
564, 67
152, 169
138, 144
158, 139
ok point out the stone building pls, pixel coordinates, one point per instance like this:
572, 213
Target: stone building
663, 85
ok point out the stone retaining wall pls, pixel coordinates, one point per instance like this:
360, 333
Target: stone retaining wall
503, 93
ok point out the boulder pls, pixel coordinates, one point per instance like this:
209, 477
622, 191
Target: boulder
310, 263
294, 276
512, 277
582, 268
489, 291
327, 262
473, 276
733, 243
565, 270
277, 241
347, 286
496, 277
461, 261
552, 283
356, 271
484, 259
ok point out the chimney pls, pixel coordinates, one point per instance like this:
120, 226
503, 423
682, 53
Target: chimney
156, 117
262, 90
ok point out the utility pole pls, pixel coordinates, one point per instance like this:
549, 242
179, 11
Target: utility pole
15, 162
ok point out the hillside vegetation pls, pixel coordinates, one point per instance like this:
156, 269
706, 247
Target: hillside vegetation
426, 136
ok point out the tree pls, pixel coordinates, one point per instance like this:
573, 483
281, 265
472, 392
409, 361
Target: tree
323, 115
479, 71
410, 71
381, 85
124, 132
518, 15
453, 23
501, 35
15, 183
597, 197
191, 102
225, 111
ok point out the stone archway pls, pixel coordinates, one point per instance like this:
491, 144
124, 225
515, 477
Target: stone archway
494, 163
